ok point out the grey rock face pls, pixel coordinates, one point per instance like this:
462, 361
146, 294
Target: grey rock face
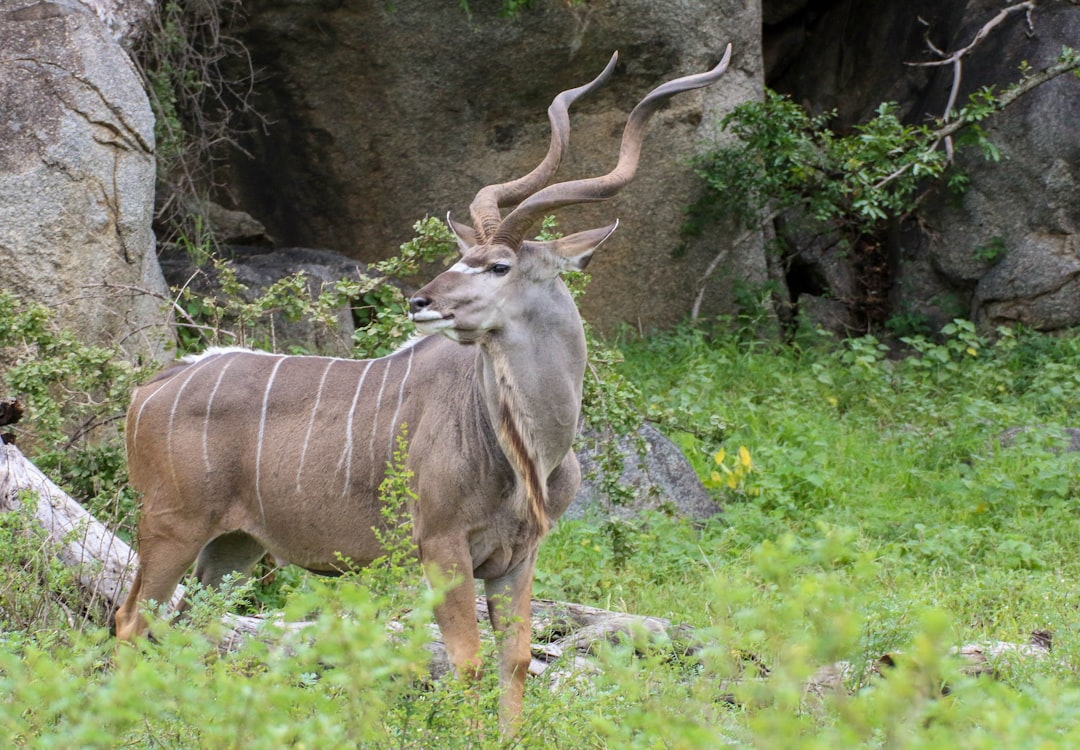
662, 479
77, 176
367, 138
1006, 251
1011, 244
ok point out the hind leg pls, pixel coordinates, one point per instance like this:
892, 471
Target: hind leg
235, 552
162, 562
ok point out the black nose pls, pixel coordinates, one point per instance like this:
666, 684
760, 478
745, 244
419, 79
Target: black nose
418, 303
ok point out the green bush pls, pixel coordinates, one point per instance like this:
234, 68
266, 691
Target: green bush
74, 395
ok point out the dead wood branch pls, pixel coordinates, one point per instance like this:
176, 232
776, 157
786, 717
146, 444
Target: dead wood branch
956, 60
105, 565
103, 562
1010, 95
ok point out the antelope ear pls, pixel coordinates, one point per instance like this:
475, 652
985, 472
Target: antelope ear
466, 235
574, 251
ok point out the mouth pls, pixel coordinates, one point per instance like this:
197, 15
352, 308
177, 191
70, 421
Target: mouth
430, 321
425, 316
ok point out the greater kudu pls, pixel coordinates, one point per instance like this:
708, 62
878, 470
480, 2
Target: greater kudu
238, 452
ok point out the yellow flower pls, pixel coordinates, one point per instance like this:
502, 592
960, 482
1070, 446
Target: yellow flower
744, 456
972, 351
719, 457
715, 476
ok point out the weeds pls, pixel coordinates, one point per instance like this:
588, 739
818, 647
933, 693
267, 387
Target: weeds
877, 501
874, 511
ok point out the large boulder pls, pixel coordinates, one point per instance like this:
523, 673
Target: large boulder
383, 113
77, 176
655, 475
1011, 245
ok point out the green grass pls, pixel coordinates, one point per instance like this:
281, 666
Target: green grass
879, 514
882, 515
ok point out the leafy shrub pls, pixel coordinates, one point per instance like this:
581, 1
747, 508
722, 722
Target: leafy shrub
334, 685
787, 158
889, 519
37, 589
75, 395
786, 163
228, 315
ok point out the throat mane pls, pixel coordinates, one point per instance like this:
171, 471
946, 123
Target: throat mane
516, 435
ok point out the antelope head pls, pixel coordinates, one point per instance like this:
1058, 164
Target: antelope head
502, 277
496, 283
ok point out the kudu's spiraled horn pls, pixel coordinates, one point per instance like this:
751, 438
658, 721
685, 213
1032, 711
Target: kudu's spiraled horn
484, 208
512, 229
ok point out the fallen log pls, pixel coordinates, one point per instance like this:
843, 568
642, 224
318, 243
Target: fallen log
103, 563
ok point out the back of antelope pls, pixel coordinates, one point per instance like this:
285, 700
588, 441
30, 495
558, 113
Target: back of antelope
237, 453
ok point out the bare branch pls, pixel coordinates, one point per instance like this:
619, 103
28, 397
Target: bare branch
982, 33
1015, 92
956, 60
173, 301
951, 127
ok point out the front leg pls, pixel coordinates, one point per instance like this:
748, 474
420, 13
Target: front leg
456, 614
509, 608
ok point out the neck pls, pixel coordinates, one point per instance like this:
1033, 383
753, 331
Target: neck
531, 381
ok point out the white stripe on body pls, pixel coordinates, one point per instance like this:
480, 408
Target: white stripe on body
193, 370
311, 423
400, 399
138, 414
415, 339
262, 433
347, 452
375, 424
206, 419
210, 403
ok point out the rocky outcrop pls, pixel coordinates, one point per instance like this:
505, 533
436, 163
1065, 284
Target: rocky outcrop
1007, 251
77, 175
383, 113
1011, 244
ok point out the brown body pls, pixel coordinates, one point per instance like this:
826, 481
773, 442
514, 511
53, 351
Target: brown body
307, 487
236, 452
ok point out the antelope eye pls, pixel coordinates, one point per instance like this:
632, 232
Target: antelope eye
499, 269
